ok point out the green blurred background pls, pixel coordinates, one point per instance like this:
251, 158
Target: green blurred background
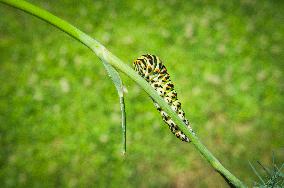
59, 111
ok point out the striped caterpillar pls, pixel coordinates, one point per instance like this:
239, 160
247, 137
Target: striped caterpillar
151, 68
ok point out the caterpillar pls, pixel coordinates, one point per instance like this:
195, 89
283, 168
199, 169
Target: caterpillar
151, 68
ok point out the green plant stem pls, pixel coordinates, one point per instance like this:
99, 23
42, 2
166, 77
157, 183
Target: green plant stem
123, 124
107, 56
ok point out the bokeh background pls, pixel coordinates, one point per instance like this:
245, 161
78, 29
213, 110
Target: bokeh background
59, 111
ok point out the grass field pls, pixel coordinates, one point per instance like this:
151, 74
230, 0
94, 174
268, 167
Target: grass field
59, 111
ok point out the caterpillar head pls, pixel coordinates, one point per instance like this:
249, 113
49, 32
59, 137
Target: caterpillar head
148, 66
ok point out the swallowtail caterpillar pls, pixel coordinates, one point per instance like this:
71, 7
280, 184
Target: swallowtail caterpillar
151, 68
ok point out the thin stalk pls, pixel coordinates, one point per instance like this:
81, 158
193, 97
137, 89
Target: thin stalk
107, 56
123, 124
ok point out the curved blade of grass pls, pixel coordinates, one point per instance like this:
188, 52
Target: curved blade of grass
114, 75
273, 177
256, 173
267, 171
107, 56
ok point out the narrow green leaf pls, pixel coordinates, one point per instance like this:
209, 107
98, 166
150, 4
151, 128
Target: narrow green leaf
256, 173
114, 75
